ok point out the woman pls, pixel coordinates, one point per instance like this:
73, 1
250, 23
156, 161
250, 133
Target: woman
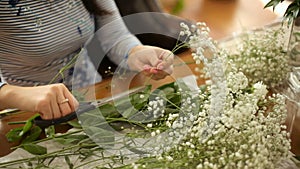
39, 37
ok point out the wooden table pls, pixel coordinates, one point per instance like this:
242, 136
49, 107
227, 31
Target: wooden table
223, 17
226, 16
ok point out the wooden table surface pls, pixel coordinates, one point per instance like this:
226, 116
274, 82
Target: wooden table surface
222, 16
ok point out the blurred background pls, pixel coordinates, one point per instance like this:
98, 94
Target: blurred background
225, 17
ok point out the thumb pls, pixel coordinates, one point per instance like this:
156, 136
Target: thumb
153, 57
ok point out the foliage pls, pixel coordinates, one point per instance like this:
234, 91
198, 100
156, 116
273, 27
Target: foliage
291, 12
178, 7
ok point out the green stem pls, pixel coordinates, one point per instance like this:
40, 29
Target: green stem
110, 120
92, 161
16, 122
148, 80
185, 63
66, 67
182, 45
48, 138
49, 155
168, 101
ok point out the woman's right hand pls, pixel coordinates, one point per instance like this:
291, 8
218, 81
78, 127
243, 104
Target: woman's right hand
50, 101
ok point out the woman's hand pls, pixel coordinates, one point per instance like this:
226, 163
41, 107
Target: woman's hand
153, 61
51, 101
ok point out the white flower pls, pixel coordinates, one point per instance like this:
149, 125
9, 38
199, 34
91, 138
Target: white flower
169, 158
260, 89
153, 134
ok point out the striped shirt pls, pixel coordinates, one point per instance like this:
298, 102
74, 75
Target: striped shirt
39, 37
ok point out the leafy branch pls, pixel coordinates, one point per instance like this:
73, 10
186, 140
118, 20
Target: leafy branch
291, 12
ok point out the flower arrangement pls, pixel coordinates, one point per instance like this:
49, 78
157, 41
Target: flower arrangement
261, 56
230, 122
242, 129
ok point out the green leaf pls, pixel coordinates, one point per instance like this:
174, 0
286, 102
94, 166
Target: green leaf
108, 110
132, 104
69, 162
139, 102
91, 118
170, 92
34, 134
34, 149
134, 100
178, 7
50, 131
75, 124
51, 160
171, 110
28, 124
26, 127
33, 117
101, 135
71, 139
129, 112
14, 134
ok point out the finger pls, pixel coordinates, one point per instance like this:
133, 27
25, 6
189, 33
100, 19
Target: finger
64, 107
153, 70
167, 63
149, 69
153, 57
167, 58
169, 70
147, 73
73, 103
64, 104
43, 107
159, 75
146, 67
46, 112
162, 73
55, 109
166, 69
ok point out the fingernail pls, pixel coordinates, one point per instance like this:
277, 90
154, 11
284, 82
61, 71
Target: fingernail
160, 67
147, 67
153, 70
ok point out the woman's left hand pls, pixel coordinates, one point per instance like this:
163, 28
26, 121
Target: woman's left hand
153, 61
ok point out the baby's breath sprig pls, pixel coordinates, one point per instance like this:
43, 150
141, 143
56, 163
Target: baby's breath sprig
69, 65
261, 57
236, 126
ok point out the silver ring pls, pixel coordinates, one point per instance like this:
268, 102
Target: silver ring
64, 101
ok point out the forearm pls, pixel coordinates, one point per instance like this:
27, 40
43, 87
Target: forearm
9, 97
115, 39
